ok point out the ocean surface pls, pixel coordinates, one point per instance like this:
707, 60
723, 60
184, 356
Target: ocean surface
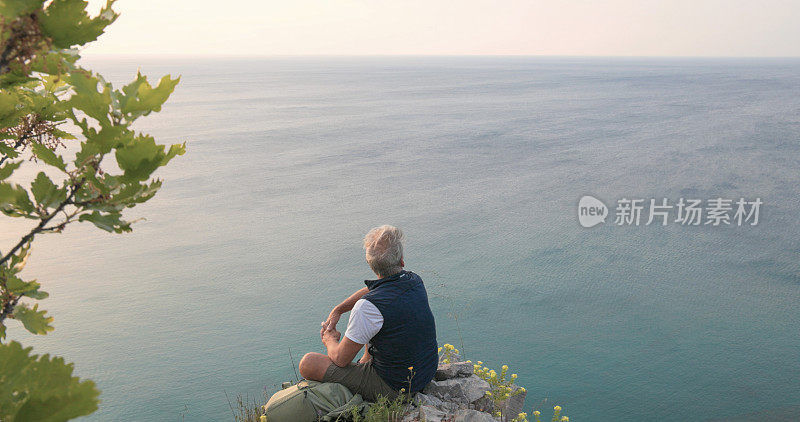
257, 231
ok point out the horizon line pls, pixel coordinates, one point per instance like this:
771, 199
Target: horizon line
377, 55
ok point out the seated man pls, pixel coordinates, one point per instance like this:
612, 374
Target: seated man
390, 319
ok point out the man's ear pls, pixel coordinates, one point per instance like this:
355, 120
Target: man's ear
402, 263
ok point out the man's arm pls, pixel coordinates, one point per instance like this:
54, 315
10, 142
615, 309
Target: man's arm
330, 323
340, 352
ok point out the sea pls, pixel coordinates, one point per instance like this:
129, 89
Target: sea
481, 161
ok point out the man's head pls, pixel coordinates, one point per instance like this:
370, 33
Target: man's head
384, 247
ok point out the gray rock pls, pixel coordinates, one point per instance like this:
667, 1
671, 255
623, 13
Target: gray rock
484, 404
454, 357
467, 415
449, 406
452, 370
461, 390
425, 399
431, 414
514, 405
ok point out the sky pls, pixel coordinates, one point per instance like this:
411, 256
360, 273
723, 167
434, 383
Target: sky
449, 27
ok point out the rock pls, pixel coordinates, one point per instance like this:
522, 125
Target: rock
452, 370
454, 357
514, 405
449, 407
425, 399
467, 415
460, 390
426, 413
484, 404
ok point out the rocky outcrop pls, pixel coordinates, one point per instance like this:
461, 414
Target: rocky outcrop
458, 395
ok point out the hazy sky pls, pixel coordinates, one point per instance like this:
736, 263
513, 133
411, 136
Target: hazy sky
536, 27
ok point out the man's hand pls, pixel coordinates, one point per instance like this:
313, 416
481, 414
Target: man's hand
346, 306
330, 323
329, 336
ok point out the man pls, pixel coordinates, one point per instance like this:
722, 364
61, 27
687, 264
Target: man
390, 319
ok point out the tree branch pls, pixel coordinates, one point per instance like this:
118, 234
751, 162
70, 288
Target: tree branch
10, 301
29, 237
8, 308
16, 145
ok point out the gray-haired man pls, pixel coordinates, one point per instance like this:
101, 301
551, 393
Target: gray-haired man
390, 319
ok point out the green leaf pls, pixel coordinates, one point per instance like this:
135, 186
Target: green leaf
19, 259
48, 156
141, 98
68, 24
34, 320
141, 158
87, 98
14, 200
110, 137
19, 287
46, 193
135, 193
8, 169
174, 149
110, 222
40, 388
10, 109
8, 151
10, 9
55, 63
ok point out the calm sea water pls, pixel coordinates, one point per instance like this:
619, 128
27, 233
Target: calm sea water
256, 233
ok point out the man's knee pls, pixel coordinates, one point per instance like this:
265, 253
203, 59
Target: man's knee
313, 366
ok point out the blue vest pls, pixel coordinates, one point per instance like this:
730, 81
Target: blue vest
408, 335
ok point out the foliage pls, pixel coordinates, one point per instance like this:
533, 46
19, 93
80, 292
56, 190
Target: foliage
383, 410
501, 385
43, 388
557, 417
42, 89
448, 353
247, 408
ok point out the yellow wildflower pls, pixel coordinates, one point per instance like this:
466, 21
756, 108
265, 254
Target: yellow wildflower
557, 408
536, 413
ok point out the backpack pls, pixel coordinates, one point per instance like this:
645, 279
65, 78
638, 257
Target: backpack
312, 401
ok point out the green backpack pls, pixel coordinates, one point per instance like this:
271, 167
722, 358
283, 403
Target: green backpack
311, 401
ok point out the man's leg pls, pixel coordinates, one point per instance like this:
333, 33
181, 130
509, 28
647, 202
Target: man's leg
314, 365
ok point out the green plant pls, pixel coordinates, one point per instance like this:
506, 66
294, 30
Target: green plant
43, 88
247, 408
557, 417
448, 353
501, 385
385, 409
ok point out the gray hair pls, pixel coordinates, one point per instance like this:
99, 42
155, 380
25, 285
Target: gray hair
384, 246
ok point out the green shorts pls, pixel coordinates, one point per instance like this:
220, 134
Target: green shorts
360, 378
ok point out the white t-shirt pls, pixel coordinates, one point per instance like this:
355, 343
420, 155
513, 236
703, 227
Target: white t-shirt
365, 321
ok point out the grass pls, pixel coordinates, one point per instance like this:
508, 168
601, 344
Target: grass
247, 408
